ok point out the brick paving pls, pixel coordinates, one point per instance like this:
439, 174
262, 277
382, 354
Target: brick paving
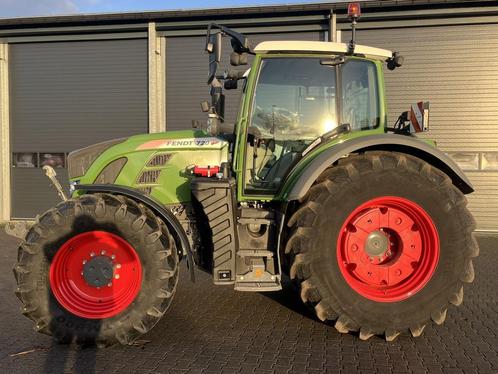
213, 329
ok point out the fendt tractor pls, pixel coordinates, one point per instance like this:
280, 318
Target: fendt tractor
368, 220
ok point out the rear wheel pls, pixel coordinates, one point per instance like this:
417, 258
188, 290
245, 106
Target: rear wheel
98, 269
381, 244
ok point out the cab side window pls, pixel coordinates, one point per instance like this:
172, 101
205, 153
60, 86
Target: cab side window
359, 95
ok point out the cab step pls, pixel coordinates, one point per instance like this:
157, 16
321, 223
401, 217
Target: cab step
258, 278
259, 286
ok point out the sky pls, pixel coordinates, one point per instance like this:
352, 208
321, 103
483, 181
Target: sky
26, 8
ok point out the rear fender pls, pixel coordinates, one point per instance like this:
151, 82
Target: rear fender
387, 142
158, 209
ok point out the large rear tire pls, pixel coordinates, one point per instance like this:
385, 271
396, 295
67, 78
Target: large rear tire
381, 244
98, 269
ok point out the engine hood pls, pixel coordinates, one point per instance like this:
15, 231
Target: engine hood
156, 164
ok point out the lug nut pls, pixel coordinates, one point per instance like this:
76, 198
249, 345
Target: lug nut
102, 253
116, 276
84, 262
118, 266
92, 254
113, 257
354, 247
109, 284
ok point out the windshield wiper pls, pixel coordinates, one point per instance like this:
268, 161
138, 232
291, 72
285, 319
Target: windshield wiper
341, 129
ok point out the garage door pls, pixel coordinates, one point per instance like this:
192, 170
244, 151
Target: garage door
456, 68
186, 74
68, 95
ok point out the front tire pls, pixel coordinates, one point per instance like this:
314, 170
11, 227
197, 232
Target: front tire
382, 244
98, 269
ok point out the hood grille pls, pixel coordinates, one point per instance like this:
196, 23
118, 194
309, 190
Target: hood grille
159, 160
149, 176
80, 161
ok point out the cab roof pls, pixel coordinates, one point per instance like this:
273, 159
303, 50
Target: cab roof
288, 46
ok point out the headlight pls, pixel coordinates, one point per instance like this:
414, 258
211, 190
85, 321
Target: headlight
79, 161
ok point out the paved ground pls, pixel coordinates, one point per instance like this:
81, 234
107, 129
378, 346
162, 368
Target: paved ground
212, 330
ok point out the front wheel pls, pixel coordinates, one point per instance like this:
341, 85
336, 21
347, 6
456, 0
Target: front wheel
99, 269
381, 244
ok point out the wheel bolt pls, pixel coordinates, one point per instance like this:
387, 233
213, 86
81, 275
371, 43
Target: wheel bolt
109, 284
92, 254
102, 253
84, 262
398, 221
354, 247
116, 276
118, 266
113, 257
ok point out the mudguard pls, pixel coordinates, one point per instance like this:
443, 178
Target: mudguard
155, 206
387, 142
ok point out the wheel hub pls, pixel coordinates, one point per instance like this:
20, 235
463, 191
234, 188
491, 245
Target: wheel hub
388, 249
377, 243
98, 271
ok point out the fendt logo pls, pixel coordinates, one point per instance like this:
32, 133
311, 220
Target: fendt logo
211, 142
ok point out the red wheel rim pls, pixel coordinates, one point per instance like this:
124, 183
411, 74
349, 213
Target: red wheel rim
388, 249
71, 286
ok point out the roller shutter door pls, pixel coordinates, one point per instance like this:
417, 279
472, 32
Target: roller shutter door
68, 95
456, 68
186, 74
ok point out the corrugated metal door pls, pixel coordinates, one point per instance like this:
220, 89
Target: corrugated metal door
68, 95
456, 69
186, 75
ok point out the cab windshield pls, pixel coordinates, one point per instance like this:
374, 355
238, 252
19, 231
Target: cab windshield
296, 101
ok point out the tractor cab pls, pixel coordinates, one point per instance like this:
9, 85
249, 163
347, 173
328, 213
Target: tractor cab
297, 96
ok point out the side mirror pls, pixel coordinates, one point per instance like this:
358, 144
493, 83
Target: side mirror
213, 47
396, 61
238, 59
217, 46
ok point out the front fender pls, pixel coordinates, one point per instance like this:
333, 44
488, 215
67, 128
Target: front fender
387, 142
159, 209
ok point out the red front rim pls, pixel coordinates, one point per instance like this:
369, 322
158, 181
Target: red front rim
80, 294
388, 249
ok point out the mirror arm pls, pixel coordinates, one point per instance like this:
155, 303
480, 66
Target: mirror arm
241, 40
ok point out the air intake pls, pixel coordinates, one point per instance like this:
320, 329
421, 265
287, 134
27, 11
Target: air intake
149, 176
159, 160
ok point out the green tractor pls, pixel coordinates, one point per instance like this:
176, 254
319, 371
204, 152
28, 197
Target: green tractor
368, 221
